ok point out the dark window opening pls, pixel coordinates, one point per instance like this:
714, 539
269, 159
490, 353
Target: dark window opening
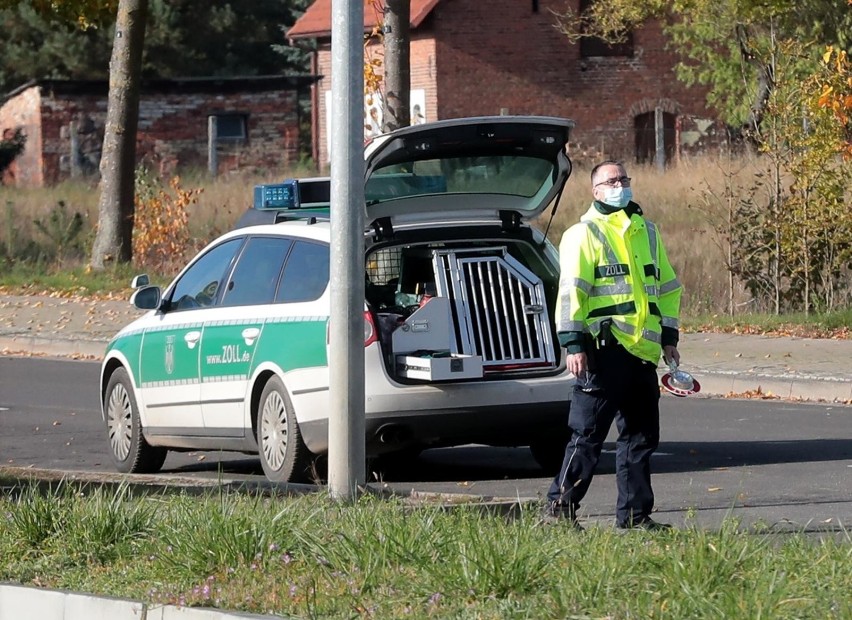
535, 6
255, 277
646, 137
595, 46
305, 274
198, 287
231, 127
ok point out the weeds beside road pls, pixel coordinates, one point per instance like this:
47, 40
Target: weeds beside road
309, 557
51, 229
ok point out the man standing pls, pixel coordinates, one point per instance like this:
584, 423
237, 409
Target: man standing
617, 312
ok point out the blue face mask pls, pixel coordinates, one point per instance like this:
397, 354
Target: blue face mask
617, 196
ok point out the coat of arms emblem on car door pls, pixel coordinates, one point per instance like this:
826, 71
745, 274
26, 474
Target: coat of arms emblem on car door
170, 355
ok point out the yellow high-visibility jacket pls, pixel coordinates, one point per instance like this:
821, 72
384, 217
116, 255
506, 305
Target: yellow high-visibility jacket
614, 266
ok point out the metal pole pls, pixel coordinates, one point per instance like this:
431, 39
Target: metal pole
346, 441
660, 137
212, 138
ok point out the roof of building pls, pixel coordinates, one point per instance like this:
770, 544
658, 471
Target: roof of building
257, 83
316, 21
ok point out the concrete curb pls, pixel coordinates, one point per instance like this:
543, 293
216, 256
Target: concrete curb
52, 347
18, 602
138, 484
787, 388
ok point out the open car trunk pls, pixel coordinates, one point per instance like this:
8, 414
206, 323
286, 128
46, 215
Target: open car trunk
453, 311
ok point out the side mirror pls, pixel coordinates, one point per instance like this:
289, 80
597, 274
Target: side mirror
146, 297
140, 281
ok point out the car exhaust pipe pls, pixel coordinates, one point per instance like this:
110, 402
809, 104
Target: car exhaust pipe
391, 434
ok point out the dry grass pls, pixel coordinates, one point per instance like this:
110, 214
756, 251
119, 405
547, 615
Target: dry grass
675, 199
21, 208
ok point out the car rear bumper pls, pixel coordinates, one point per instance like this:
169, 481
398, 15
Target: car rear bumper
500, 426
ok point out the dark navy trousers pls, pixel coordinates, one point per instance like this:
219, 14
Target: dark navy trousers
620, 387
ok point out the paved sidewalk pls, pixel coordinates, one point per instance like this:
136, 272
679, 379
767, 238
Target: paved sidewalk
786, 367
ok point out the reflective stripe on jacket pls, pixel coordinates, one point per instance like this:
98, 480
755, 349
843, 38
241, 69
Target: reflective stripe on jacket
615, 267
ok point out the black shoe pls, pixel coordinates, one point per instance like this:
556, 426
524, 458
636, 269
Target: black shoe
554, 514
647, 524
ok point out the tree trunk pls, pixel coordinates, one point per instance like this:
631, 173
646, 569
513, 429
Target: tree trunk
113, 242
397, 41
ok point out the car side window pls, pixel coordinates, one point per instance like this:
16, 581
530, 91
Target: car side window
255, 277
198, 286
305, 273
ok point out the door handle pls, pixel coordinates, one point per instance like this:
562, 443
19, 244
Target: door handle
250, 334
192, 338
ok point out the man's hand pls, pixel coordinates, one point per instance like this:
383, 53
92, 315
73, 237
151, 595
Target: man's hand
671, 353
578, 363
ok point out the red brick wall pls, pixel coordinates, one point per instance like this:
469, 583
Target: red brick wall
57, 113
501, 55
477, 58
172, 131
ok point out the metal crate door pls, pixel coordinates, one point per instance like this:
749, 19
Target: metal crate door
498, 305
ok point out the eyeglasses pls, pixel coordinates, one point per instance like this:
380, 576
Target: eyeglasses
623, 181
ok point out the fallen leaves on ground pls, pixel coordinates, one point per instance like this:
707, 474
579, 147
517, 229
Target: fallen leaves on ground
81, 294
788, 330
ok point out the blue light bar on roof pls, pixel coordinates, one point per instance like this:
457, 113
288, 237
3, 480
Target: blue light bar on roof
283, 195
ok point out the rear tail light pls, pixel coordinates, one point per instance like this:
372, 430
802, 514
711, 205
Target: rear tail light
370, 333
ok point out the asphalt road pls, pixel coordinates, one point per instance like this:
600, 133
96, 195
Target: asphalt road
771, 462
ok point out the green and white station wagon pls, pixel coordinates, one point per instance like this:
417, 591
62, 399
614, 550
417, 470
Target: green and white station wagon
458, 342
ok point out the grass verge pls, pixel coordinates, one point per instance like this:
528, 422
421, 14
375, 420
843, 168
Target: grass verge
77, 281
310, 557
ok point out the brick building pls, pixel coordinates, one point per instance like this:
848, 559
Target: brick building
257, 123
472, 57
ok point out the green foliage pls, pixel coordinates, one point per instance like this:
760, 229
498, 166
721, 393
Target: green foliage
723, 44
806, 237
224, 535
816, 233
102, 521
64, 234
309, 556
27, 274
35, 46
81, 525
784, 231
85, 13
38, 515
238, 39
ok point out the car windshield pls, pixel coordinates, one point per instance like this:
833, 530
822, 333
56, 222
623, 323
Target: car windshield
513, 175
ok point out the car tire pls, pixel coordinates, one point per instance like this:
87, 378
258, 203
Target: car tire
549, 451
128, 448
283, 453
